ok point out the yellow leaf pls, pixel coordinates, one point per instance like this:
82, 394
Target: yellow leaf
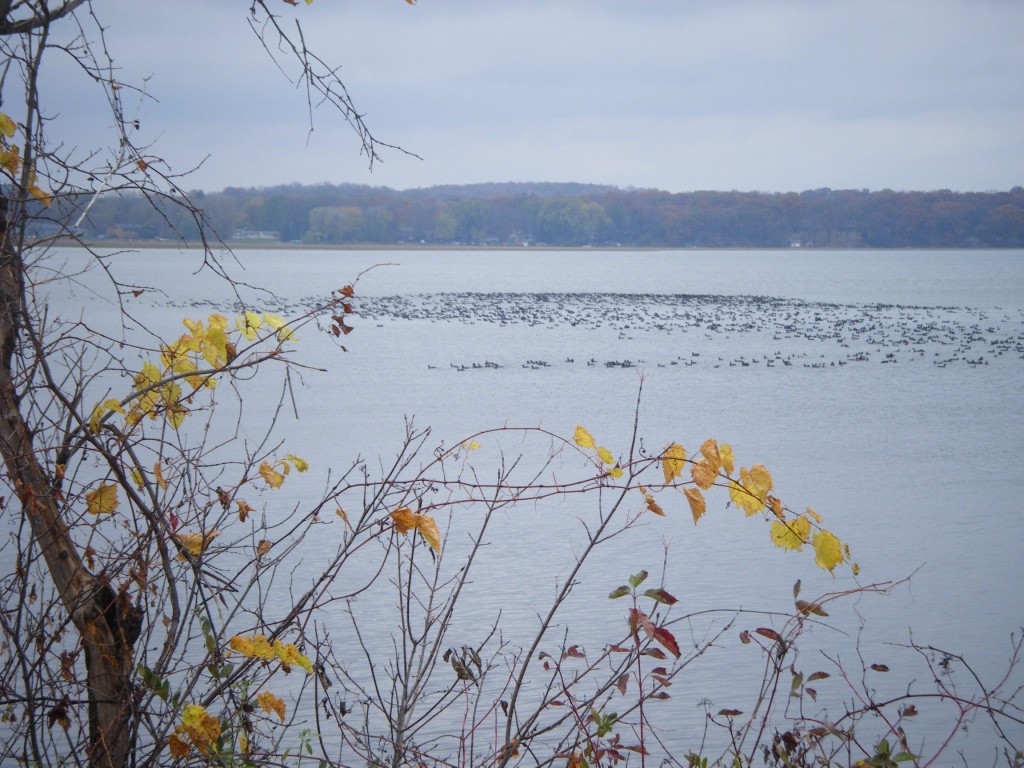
615, 472
40, 195
10, 160
703, 474
7, 126
102, 500
217, 320
249, 323
272, 477
725, 453
270, 703
244, 509
696, 500
101, 410
255, 647
761, 480
654, 507
583, 438
277, 323
195, 542
243, 742
709, 450
428, 529
178, 747
605, 455
470, 445
215, 347
290, 656
200, 726
405, 519
273, 321
814, 515
137, 478
791, 534
672, 461
159, 474
747, 493
828, 551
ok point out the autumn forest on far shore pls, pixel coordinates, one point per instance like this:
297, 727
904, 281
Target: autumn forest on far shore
553, 214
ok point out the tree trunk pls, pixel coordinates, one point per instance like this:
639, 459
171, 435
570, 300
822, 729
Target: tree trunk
97, 615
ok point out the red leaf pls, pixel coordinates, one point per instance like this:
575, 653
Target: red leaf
730, 712
666, 639
641, 619
771, 634
880, 667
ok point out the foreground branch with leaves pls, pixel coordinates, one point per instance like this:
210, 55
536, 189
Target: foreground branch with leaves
157, 608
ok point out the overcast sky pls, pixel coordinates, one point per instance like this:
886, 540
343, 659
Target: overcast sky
673, 94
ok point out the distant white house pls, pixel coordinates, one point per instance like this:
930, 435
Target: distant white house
257, 235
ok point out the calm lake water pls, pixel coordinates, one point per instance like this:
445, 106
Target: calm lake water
884, 389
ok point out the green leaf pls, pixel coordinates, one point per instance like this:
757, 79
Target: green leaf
637, 579
619, 592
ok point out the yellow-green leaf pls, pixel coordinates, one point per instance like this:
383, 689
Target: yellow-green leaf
605, 455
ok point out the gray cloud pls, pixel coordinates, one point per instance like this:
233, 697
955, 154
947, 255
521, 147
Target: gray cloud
680, 96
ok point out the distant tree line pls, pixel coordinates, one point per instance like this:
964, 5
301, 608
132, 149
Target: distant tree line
575, 215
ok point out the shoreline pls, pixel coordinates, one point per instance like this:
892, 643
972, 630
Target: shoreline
190, 245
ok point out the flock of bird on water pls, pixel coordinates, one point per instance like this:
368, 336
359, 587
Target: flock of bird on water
719, 331
825, 335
